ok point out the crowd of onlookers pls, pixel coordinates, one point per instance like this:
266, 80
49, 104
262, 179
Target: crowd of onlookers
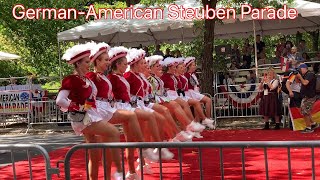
244, 58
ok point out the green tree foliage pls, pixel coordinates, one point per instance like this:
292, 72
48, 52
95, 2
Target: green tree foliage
37, 37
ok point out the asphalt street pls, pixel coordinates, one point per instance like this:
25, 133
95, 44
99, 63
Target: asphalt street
48, 141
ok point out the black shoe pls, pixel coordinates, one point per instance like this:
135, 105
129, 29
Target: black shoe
307, 130
266, 126
314, 126
277, 126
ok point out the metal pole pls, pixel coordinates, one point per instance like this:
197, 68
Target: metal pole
255, 48
59, 54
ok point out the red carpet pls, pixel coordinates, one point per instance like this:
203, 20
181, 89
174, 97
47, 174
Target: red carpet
255, 166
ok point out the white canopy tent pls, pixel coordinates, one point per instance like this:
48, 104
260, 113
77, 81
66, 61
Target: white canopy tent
134, 32
146, 32
8, 56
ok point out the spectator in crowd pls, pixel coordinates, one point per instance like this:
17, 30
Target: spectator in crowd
246, 51
263, 59
316, 65
228, 80
317, 57
293, 85
308, 93
235, 72
305, 57
178, 53
270, 105
245, 65
277, 58
251, 78
172, 53
13, 81
235, 53
302, 48
146, 49
260, 45
158, 51
287, 50
281, 46
293, 57
168, 54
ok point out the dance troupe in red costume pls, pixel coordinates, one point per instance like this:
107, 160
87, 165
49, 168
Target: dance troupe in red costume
146, 95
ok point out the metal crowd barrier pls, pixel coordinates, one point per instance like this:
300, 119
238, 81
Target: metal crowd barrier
242, 145
46, 112
224, 106
36, 112
49, 171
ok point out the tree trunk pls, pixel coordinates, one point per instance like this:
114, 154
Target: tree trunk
207, 61
132, 2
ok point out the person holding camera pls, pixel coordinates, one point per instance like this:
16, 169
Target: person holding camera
308, 93
270, 105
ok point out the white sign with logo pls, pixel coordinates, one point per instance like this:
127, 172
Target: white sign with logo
13, 102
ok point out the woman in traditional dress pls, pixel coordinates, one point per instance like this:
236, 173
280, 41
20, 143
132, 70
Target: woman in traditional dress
100, 58
77, 96
270, 105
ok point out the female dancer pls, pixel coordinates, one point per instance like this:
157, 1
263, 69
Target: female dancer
159, 95
138, 65
171, 83
100, 58
183, 87
193, 83
124, 100
77, 96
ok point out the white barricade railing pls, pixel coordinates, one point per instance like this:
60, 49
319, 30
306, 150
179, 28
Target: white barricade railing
235, 104
35, 112
238, 105
46, 112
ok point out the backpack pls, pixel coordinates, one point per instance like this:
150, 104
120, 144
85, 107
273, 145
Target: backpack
284, 81
283, 86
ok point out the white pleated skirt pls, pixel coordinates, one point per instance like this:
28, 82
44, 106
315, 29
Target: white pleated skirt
194, 95
172, 95
124, 106
93, 115
105, 109
142, 106
162, 99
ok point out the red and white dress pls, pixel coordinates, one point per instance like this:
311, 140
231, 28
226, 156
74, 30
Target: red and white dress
183, 86
158, 90
78, 90
171, 84
104, 96
121, 92
137, 90
148, 96
193, 90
